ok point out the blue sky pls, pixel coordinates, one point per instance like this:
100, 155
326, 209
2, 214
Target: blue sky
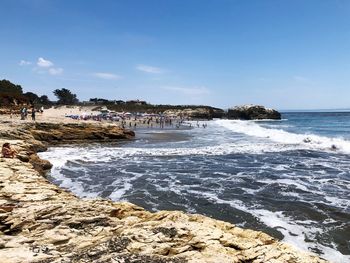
284, 54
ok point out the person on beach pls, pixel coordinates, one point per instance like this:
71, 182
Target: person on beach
7, 151
25, 113
22, 113
33, 114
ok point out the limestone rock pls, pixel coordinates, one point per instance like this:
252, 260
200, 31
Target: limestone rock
76, 132
31, 138
252, 112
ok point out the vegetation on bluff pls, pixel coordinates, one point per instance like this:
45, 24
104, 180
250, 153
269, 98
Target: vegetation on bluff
12, 95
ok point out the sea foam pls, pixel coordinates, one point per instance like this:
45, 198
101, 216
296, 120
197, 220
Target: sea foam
307, 141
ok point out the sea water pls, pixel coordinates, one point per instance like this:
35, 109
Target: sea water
288, 178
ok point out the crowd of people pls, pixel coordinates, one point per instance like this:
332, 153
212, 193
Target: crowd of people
133, 120
140, 120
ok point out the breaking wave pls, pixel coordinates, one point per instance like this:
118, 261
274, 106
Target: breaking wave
301, 141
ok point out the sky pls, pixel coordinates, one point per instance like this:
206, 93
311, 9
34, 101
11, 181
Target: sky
285, 54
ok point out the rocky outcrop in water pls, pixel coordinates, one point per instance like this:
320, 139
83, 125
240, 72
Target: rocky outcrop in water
252, 112
197, 113
39, 222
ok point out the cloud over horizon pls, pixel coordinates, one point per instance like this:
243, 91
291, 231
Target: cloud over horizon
149, 69
107, 76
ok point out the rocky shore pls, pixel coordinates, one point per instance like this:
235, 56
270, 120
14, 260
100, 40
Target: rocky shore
39, 222
37, 136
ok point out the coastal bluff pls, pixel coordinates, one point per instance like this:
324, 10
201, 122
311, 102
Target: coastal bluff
252, 112
42, 223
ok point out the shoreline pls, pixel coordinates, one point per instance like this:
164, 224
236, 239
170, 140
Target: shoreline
45, 223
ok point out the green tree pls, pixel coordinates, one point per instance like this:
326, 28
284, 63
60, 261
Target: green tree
7, 87
65, 96
32, 97
44, 100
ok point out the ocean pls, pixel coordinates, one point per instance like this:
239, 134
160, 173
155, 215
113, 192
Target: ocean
288, 178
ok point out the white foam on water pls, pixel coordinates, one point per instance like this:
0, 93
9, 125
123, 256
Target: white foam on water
305, 185
284, 181
277, 141
307, 141
123, 185
59, 156
117, 194
294, 231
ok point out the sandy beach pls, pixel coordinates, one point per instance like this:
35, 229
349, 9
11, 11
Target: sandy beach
62, 114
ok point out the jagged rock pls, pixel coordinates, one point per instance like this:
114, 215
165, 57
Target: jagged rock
252, 112
35, 137
23, 158
39, 164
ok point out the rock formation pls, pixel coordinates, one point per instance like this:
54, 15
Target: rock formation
42, 223
40, 134
197, 113
60, 133
252, 112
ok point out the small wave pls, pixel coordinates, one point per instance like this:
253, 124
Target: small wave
306, 141
100, 154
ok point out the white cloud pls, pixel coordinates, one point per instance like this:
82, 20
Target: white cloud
105, 75
149, 69
45, 66
44, 63
189, 90
24, 63
55, 71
